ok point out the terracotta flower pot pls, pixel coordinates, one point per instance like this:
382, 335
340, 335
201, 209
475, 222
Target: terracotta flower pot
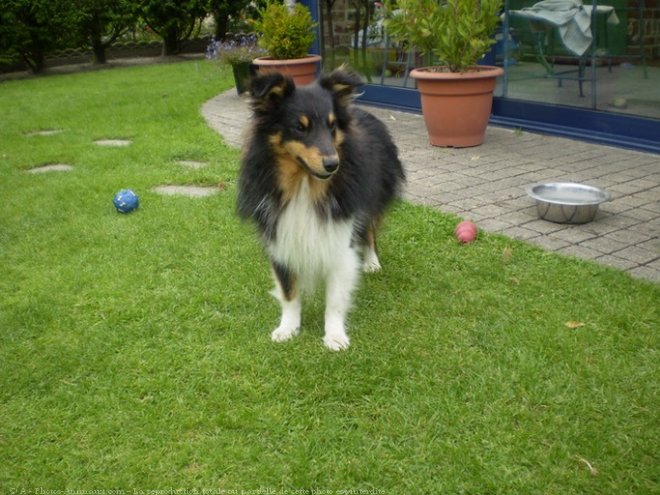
302, 70
456, 106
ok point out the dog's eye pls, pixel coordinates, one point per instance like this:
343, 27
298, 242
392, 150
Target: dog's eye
303, 124
332, 126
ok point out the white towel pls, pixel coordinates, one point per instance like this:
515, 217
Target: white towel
571, 17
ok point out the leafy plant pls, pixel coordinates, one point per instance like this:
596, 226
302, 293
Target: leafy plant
102, 22
456, 32
30, 29
173, 20
285, 34
225, 13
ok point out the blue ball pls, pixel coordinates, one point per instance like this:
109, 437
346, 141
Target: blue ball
126, 201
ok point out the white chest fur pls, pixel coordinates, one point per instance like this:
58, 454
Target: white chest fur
309, 245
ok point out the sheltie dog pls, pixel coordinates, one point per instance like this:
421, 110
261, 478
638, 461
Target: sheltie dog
316, 177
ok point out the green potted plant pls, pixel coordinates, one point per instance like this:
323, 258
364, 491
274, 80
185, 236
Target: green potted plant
287, 35
457, 33
238, 51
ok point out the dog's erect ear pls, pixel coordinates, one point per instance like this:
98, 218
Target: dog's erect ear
343, 84
269, 90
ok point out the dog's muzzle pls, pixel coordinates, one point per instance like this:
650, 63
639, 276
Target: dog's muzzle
330, 166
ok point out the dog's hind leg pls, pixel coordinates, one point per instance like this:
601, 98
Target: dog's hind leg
286, 292
371, 263
339, 290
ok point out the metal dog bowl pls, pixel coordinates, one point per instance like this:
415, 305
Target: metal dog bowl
567, 202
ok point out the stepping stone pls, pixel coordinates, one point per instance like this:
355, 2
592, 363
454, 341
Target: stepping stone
54, 167
45, 132
189, 191
192, 164
113, 142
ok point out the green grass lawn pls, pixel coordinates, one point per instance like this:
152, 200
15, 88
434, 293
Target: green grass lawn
135, 350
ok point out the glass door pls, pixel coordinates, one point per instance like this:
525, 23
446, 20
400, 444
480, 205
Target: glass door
601, 55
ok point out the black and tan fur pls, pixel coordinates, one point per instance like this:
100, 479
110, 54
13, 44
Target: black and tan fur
317, 175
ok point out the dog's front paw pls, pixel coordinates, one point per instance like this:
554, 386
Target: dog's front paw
371, 266
284, 333
336, 341
371, 262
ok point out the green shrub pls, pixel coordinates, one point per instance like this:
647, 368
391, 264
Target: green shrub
457, 32
285, 34
30, 29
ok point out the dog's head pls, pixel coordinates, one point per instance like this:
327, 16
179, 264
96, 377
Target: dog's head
307, 123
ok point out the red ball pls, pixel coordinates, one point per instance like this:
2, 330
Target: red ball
466, 232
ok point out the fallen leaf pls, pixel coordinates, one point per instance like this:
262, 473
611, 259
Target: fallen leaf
574, 324
592, 469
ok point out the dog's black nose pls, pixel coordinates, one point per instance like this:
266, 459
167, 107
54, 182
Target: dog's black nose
330, 163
